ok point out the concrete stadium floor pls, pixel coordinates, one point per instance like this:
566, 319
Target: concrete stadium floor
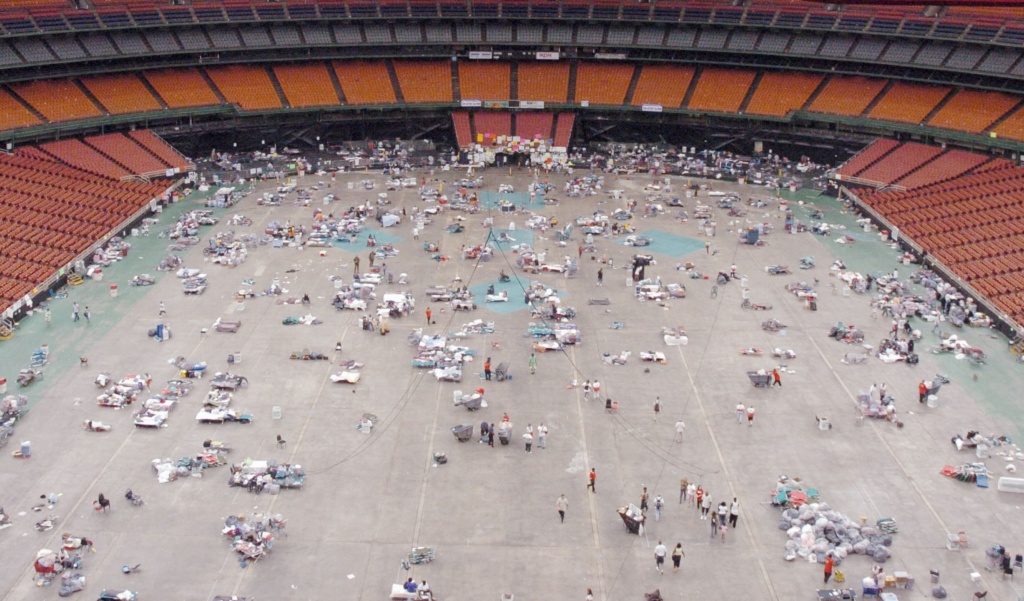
490, 512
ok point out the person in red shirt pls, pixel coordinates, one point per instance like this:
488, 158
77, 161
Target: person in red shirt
922, 392
829, 564
593, 480
487, 369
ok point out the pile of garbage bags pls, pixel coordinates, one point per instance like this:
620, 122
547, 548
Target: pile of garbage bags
815, 530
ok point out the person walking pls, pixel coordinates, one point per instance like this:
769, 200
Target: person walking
660, 551
562, 504
707, 247
490, 436
586, 390
682, 489
741, 411
659, 504
47, 316
528, 439
750, 416
776, 377
355, 263
542, 436
163, 309
593, 480
590, 595
829, 565
86, 314
600, 276
657, 408
698, 497
428, 315
643, 501
533, 363
373, 256
922, 392
74, 312
723, 513
734, 512
677, 556
680, 426
487, 368
691, 494
714, 525
705, 506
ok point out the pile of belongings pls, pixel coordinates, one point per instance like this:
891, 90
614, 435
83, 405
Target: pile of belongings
674, 336
12, 408
968, 472
225, 250
306, 320
169, 263
124, 392
167, 471
816, 530
396, 304
790, 492
894, 351
252, 539
268, 476
847, 334
477, 326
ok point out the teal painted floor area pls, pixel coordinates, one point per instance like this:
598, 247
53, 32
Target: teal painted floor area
489, 200
69, 340
994, 384
515, 295
665, 243
382, 236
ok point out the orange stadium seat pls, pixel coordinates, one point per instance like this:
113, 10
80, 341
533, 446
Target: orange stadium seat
463, 130
483, 80
57, 100
245, 85
181, 88
37, 4
81, 156
847, 95
170, 157
425, 81
365, 82
721, 90
545, 81
1012, 128
867, 157
908, 102
563, 129
778, 93
13, 115
900, 162
121, 93
973, 111
532, 126
124, 151
491, 125
603, 83
945, 167
306, 85
662, 84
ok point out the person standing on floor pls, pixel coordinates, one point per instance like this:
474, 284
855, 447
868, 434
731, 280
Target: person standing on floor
691, 494
657, 408
86, 314
682, 489
533, 363
776, 377
590, 595
373, 256
705, 506
490, 436
677, 556
660, 551
723, 513
592, 476
542, 436
428, 315
750, 416
714, 525
74, 312
659, 504
586, 390
600, 277
741, 411
487, 368
47, 317
734, 512
922, 392
355, 263
562, 504
680, 426
698, 497
528, 439
829, 565
883, 391
163, 309
643, 501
